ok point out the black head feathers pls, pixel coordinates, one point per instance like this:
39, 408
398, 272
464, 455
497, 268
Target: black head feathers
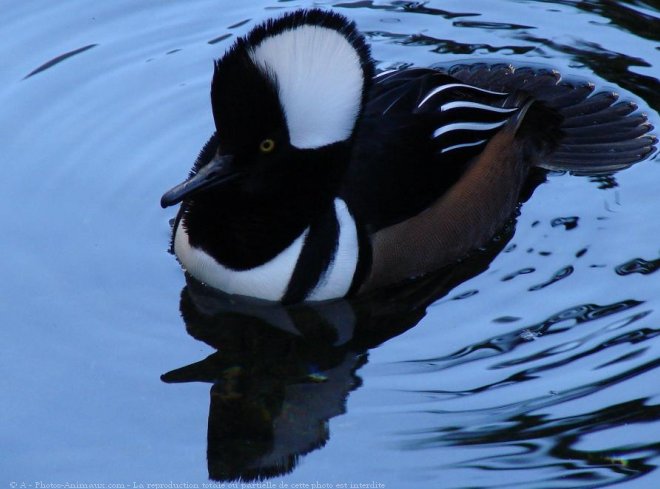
307, 72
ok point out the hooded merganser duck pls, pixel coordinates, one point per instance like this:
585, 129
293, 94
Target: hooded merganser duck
324, 180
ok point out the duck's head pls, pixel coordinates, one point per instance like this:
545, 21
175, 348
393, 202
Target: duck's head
286, 99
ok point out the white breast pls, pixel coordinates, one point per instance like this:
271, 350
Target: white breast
268, 281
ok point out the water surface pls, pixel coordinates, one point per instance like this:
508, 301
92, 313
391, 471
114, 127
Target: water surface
534, 367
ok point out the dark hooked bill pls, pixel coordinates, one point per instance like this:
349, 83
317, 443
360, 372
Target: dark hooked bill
219, 170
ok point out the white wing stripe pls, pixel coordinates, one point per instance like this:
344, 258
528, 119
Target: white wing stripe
465, 145
467, 126
383, 73
474, 105
441, 88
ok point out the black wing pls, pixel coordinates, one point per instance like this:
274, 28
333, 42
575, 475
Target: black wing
600, 133
419, 130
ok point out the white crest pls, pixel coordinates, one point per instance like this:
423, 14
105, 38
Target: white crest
319, 81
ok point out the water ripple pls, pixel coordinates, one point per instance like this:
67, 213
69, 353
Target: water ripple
568, 222
499, 345
638, 265
556, 277
551, 447
58, 59
410, 7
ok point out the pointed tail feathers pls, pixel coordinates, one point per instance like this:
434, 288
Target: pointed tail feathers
597, 134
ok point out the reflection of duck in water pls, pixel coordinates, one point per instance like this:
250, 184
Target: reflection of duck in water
275, 384
323, 181
281, 372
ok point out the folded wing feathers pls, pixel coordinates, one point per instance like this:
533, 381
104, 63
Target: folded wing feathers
465, 105
462, 122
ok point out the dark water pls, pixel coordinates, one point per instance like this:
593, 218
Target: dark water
533, 367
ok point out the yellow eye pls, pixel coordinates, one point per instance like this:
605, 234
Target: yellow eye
267, 145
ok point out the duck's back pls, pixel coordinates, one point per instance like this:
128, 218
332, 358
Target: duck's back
420, 130
441, 157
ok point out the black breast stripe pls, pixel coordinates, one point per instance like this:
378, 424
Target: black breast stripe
316, 255
364, 260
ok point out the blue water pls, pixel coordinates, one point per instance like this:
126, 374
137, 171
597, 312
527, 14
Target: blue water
539, 372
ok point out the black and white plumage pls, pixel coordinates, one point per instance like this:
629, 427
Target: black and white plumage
323, 180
